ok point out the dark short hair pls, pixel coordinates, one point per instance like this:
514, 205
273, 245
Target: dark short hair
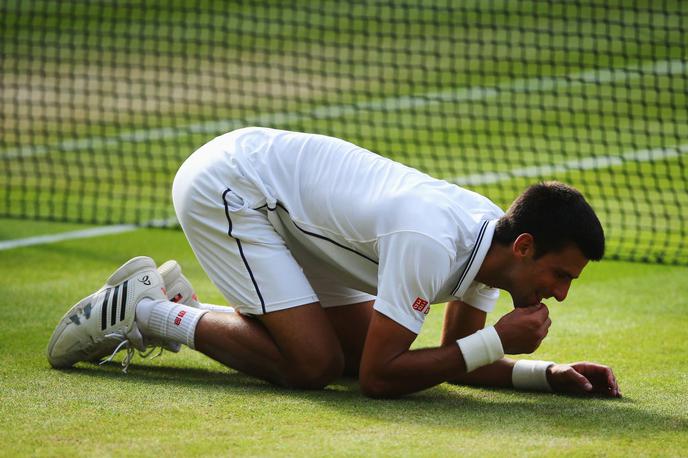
556, 215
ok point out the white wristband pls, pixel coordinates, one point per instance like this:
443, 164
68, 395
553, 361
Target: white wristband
481, 348
531, 375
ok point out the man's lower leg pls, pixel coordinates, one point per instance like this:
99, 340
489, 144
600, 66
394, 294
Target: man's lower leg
241, 343
294, 348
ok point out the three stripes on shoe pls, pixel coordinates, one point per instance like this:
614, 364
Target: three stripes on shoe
119, 298
113, 310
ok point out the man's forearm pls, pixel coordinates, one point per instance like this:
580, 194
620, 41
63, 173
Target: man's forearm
460, 321
413, 370
497, 374
389, 368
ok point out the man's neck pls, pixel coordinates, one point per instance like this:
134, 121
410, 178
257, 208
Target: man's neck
495, 268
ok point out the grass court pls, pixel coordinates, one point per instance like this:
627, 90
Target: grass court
101, 101
630, 316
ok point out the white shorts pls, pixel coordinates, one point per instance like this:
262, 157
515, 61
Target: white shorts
237, 246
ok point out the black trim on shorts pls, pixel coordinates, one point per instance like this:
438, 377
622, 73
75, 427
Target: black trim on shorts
471, 258
322, 237
241, 250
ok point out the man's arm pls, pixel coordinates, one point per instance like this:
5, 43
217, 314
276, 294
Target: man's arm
461, 320
389, 368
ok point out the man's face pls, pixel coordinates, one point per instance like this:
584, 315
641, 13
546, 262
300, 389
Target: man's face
548, 276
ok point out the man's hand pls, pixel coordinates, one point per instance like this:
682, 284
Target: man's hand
583, 379
522, 329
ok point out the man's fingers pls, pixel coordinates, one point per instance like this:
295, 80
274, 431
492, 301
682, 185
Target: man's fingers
543, 330
544, 327
541, 309
539, 314
546, 324
611, 382
582, 382
613, 385
603, 376
603, 380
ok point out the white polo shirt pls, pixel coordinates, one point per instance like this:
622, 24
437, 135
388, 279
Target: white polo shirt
372, 224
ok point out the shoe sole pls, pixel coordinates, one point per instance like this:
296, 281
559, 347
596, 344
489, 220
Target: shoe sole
124, 272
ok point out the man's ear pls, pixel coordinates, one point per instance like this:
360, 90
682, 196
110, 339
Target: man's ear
523, 246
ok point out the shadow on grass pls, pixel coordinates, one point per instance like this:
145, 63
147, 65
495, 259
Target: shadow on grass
444, 406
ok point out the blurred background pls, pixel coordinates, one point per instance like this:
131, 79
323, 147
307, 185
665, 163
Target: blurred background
101, 101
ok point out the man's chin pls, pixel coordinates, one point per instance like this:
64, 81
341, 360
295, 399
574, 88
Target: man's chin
526, 303
521, 304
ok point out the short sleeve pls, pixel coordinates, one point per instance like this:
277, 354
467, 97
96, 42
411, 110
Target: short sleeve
413, 268
481, 296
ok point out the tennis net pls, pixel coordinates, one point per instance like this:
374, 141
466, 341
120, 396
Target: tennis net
102, 100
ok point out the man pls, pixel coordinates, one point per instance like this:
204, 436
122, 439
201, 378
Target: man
331, 256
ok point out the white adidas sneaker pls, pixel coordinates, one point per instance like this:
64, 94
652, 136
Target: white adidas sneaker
103, 323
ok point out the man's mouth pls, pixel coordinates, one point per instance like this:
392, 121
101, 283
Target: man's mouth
534, 300
537, 300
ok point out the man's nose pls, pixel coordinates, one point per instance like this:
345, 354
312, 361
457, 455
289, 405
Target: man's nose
561, 291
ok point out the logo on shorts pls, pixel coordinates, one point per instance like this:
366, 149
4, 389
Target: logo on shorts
178, 319
421, 305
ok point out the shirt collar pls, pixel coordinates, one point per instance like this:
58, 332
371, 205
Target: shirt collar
482, 243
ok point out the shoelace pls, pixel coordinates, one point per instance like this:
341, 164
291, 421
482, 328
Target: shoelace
126, 343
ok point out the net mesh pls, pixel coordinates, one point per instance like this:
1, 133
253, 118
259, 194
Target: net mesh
101, 101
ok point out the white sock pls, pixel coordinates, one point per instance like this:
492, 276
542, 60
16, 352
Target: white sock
216, 308
168, 320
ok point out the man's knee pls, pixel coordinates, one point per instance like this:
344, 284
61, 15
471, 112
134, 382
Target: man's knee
315, 370
311, 355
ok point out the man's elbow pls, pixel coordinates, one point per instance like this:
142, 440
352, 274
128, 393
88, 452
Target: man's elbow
374, 386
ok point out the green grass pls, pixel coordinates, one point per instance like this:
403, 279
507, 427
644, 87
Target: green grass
90, 71
81, 77
628, 315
